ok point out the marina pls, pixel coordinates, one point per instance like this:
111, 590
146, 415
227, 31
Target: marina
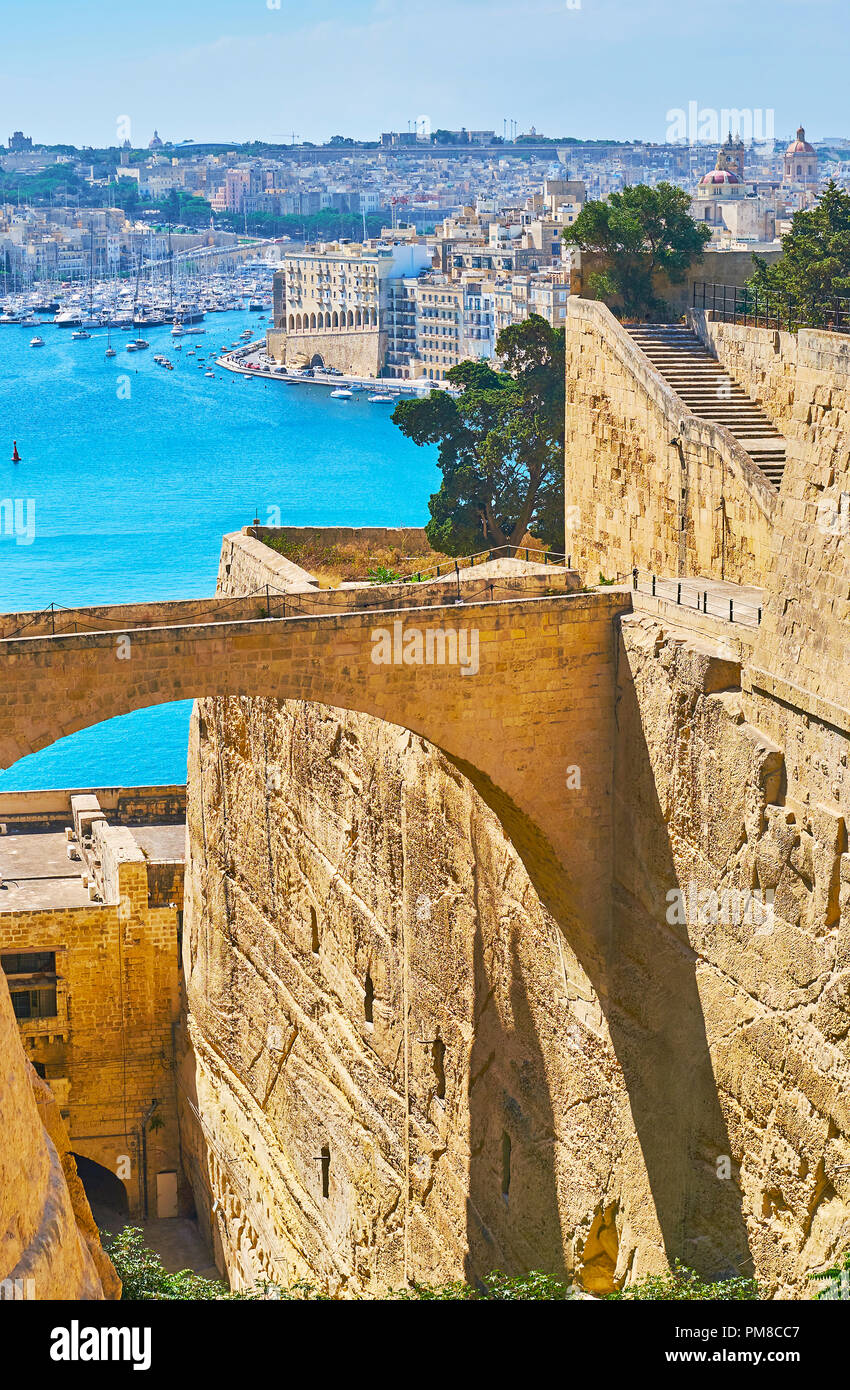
133, 472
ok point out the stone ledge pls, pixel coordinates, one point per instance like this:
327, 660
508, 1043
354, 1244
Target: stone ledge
756, 681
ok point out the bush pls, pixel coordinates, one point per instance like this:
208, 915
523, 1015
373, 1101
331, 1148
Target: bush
681, 1284
534, 1286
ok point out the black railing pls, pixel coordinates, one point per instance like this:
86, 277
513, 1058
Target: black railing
764, 308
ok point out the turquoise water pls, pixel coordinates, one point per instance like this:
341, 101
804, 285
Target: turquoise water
131, 475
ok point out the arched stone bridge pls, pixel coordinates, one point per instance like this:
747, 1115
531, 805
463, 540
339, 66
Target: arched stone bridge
525, 709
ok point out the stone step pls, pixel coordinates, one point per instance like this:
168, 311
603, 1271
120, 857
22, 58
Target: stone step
707, 389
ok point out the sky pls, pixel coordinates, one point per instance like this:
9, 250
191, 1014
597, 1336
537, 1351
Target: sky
93, 71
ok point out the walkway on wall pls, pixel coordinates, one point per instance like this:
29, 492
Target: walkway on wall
716, 598
708, 390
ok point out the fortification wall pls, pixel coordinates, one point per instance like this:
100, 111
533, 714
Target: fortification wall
687, 1103
746, 1021
353, 352
803, 381
633, 495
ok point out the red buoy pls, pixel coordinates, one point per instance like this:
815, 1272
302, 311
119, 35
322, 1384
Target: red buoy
16, 458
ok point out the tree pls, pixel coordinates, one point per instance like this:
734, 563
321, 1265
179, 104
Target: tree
815, 264
500, 443
639, 233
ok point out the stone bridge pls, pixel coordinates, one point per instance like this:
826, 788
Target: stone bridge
517, 691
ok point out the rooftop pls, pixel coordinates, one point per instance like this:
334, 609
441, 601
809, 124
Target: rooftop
38, 875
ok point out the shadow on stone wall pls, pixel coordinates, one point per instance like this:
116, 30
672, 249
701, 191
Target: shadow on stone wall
655, 1016
513, 1218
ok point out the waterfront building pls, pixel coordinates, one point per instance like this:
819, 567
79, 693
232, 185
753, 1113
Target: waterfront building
334, 301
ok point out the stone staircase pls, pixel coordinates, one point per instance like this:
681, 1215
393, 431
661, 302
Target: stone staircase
708, 390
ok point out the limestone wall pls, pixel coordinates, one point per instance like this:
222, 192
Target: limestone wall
736, 1055
48, 1242
633, 496
354, 352
109, 1050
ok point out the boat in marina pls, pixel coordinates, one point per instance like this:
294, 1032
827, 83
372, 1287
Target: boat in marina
137, 345
81, 333
341, 393
36, 341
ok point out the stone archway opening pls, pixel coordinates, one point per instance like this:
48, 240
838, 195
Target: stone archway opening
317, 360
106, 1193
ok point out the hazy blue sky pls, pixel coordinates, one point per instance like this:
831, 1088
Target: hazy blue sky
243, 69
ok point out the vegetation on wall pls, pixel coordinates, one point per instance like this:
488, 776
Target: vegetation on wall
500, 444
639, 234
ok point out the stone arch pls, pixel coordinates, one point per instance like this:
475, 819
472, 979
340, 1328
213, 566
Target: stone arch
74, 681
312, 320
297, 323
358, 321
317, 360
335, 319
104, 1189
351, 318
291, 322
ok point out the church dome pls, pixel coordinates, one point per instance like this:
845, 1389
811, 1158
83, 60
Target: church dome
718, 176
801, 144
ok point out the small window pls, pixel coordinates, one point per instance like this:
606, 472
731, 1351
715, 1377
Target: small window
369, 999
34, 1003
29, 962
314, 931
326, 1171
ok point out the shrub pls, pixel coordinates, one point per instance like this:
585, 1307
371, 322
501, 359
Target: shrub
681, 1284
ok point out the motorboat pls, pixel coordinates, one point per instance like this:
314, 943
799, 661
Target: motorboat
81, 333
341, 393
36, 341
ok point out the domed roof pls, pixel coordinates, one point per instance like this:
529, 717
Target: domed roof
719, 176
801, 144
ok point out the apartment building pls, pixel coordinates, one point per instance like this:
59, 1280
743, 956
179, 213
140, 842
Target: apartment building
334, 302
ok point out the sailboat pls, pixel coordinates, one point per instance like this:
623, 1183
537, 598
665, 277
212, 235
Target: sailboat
110, 351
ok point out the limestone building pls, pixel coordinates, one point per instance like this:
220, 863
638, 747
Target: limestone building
91, 909
333, 303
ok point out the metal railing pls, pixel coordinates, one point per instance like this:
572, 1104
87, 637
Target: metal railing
764, 308
480, 557
689, 594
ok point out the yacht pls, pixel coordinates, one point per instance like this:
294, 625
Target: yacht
71, 317
381, 397
81, 333
36, 341
341, 394
177, 331
137, 345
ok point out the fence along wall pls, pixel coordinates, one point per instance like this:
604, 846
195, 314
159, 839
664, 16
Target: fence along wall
632, 496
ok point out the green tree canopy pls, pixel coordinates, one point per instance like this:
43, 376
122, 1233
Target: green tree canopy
501, 444
815, 262
639, 234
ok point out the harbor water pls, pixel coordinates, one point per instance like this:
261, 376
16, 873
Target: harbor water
130, 475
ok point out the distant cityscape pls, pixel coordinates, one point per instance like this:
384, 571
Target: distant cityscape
398, 258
